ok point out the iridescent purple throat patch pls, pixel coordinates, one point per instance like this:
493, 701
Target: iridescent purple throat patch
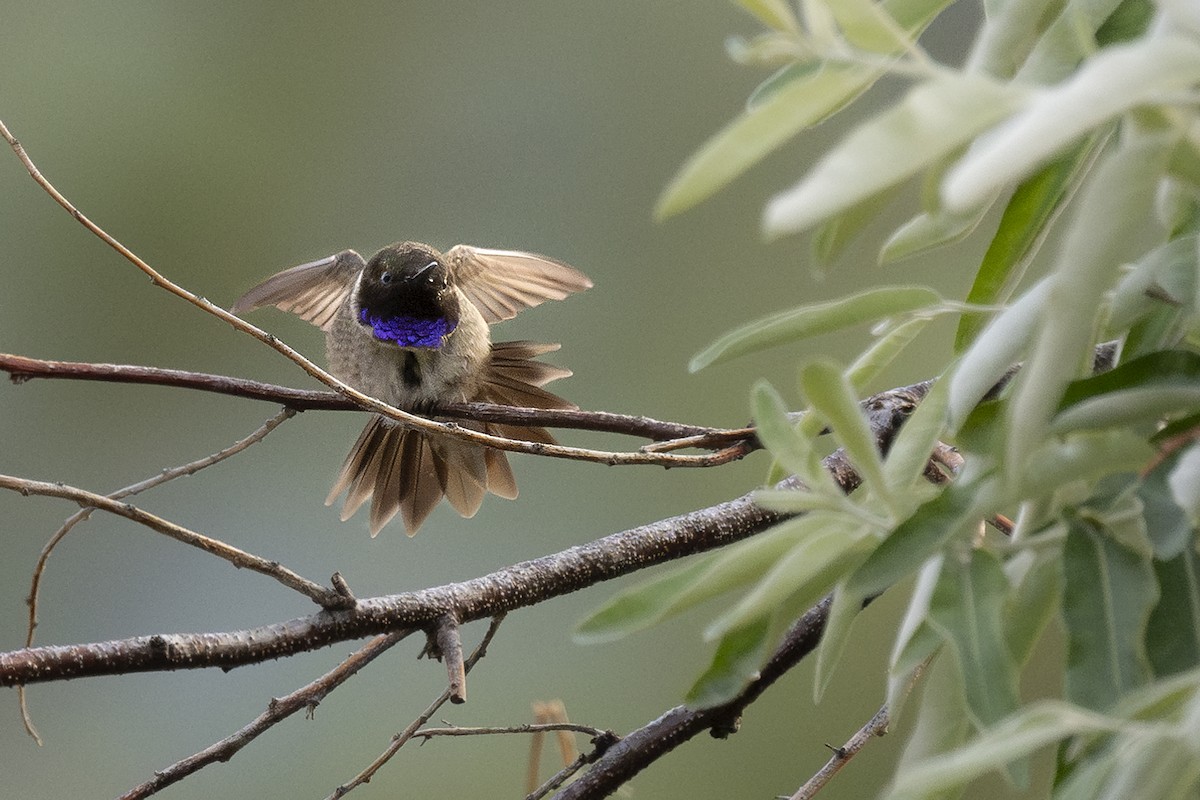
408, 331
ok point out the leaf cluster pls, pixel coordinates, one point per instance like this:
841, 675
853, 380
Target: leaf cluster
1074, 117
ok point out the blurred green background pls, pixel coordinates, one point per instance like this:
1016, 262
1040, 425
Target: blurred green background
225, 141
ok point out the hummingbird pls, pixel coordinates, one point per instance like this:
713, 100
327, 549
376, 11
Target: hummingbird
410, 327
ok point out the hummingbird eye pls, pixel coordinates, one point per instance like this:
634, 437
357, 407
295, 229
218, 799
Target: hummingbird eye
385, 278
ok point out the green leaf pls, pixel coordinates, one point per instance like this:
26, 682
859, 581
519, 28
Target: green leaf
830, 239
1107, 599
1141, 390
842, 613
917, 439
967, 609
801, 576
869, 26
1021, 735
832, 397
1169, 528
1109, 84
1109, 215
812, 320
737, 660
927, 231
1036, 596
1027, 218
1081, 457
775, 14
1184, 481
941, 723
804, 102
793, 450
891, 343
1163, 279
996, 349
1173, 632
916, 640
641, 606
934, 119
951, 514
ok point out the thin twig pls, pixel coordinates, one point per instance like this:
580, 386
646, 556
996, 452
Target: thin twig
326, 598
533, 727
449, 649
306, 697
400, 739
876, 726
24, 368
190, 468
556, 780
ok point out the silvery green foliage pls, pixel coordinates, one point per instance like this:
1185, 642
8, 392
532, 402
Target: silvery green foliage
1080, 117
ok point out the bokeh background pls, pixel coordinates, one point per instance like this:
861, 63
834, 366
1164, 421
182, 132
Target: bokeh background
224, 141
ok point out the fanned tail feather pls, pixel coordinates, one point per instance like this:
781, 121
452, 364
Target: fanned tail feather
408, 472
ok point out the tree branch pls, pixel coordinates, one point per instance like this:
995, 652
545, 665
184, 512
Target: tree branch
641, 748
520, 585
23, 368
326, 598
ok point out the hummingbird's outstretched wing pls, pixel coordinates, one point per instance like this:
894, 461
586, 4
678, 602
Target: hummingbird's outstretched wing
500, 283
314, 291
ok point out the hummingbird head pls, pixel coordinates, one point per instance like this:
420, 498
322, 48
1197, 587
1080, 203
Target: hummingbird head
404, 296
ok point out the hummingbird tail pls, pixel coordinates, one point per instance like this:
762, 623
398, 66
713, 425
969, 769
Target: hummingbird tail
408, 472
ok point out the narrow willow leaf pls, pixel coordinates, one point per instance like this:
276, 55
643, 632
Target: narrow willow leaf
1112, 82
934, 119
830, 239
793, 450
951, 514
866, 367
942, 724
1142, 389
910, 450
929, 230
1007, 34
1036, 596
775, 14
870, 27
1184, 481
997, 348
773, 120
812, 320
916, 640
802, 104
1108, 217
1027, 218
1081, 457
736, 661
1154, 766
1023, 734
832, 397
810, 568
1164, 277
646, 604
1169, 528
1173, 632
1067, 40
641, 606
967, 608
1107, 599
842, 613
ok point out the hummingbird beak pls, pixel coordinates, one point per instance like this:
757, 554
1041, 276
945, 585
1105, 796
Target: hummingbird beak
422, 272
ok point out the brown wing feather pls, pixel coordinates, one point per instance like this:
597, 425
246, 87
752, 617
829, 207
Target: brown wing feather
501, 283
313, 291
